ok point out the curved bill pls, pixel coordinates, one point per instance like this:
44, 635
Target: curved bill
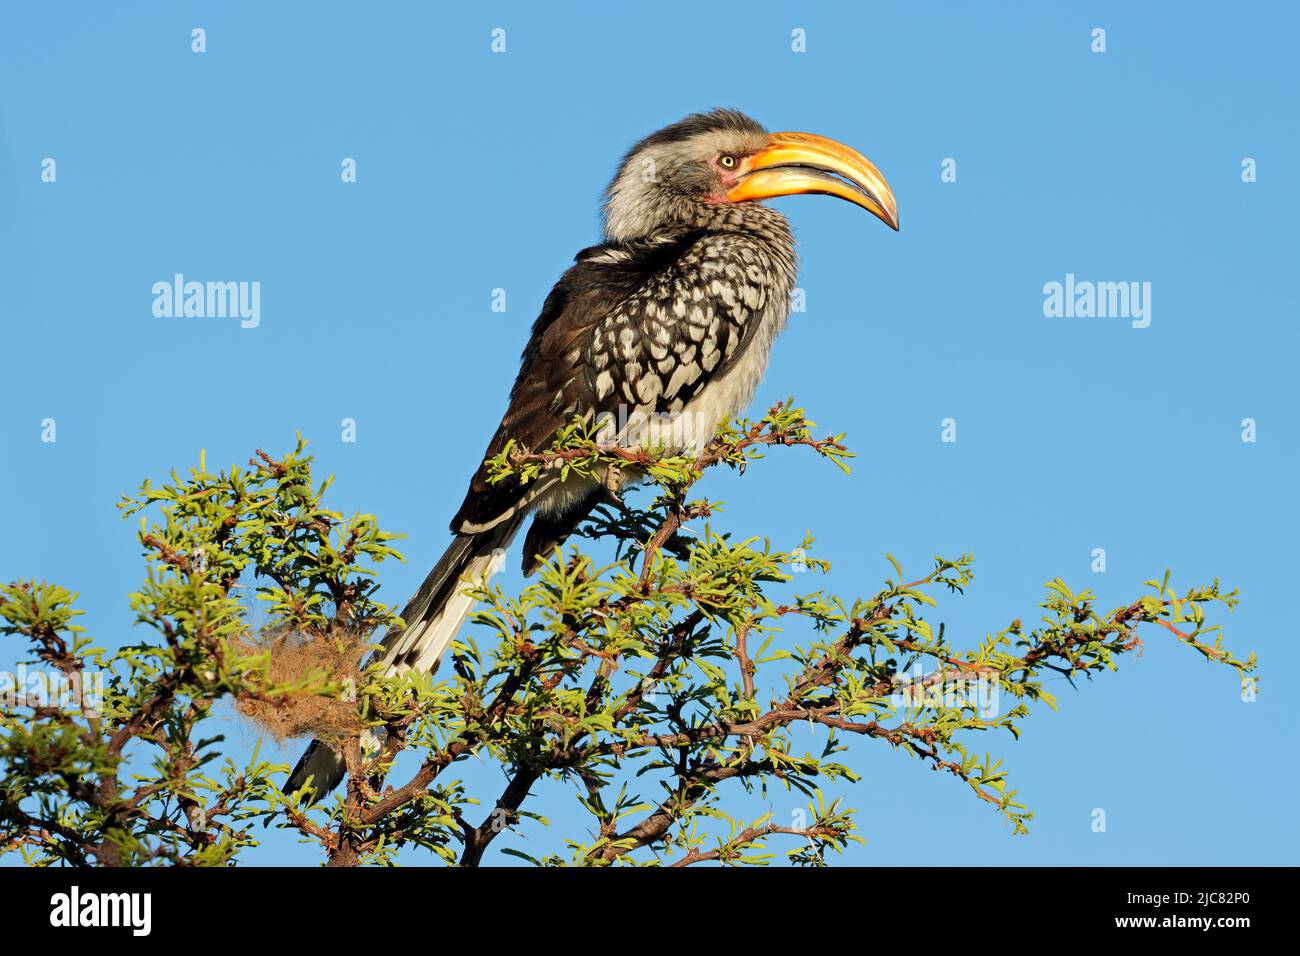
796, 163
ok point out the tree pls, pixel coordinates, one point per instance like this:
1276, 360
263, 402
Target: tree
650, 685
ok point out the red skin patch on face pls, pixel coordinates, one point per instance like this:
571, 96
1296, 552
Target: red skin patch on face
728, 177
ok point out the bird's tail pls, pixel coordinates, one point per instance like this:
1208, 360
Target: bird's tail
432, 618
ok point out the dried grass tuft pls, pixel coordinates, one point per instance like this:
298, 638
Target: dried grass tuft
296, 656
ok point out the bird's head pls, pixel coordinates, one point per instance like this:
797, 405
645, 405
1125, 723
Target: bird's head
684, 171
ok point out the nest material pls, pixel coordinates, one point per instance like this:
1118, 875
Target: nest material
296, 656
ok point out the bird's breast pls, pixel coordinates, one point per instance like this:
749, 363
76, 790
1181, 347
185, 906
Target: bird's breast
687, 349
727, 395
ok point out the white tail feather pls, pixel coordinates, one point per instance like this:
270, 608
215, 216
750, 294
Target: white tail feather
422, 646
432, 628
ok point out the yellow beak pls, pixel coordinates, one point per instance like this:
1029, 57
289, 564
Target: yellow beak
796, 163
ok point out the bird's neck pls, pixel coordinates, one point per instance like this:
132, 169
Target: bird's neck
748, 218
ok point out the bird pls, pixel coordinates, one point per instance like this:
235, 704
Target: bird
668, 322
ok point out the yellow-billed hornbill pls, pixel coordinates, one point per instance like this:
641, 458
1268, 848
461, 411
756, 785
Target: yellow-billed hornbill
669, 321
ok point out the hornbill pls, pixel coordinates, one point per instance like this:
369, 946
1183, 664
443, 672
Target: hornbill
672, 315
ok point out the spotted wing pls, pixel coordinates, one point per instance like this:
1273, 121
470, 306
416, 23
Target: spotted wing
640, 327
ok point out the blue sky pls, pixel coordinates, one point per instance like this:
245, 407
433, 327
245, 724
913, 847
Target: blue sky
479, 171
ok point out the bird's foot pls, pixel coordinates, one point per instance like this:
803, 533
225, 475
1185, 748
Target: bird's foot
613, 484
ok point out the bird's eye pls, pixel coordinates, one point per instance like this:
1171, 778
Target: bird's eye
727, 162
